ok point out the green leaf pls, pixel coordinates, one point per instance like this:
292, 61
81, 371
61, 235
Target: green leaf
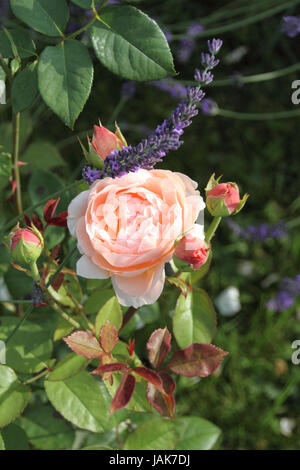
2, 447
45, 430
131, 44
63, 329
29, 348
15, 438
69, 366
53, 237
110, 311
87, 4
43, 183
41, 155
65, 75
13, 396
22, 40
17, 283
24, 88
49, 18
5, 169
96, 300
196, 433
82, 401
194, 319
155, 434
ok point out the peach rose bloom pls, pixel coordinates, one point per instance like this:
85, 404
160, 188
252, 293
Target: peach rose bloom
126, 228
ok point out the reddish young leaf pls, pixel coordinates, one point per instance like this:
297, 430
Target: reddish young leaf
84, 343
180, 284
27, 220
50, 208
130, 347
112, 367
151, 376
60, 220
108, 336
58, 281
163, 403
123, 394
158, 345
169, 384
54, 253
37, 223
197, 360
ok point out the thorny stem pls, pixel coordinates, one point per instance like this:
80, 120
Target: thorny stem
63, 314
15, 157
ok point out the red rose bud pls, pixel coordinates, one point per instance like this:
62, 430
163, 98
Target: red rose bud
223, 199
192, 250
26, 246
105, 141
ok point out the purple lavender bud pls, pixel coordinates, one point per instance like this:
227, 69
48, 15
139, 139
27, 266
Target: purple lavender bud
194, 29
209, 107
37, 294
150, 151
291, 26
261, 233
128, 89
214, 45
280, 302
89, 175
203, 77
209, 61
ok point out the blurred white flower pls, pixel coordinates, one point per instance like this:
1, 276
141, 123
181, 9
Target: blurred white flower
4, 293
286, 426
228, 301
236, 55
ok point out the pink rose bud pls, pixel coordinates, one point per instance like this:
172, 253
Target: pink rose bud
105, 141
26, 245
192, 250
223, 199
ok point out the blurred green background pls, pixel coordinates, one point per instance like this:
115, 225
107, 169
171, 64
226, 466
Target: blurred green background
254, 398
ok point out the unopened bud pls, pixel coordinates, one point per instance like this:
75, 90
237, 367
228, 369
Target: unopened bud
26, 246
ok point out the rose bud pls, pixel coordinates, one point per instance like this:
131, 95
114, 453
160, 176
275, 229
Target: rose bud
26, 245
223, 199
105, 141
192, 250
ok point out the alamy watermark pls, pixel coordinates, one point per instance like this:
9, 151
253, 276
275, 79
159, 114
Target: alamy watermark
296, 94
2, 352
296, 354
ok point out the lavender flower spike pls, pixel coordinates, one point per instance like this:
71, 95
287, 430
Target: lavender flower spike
285, 298
291, 26
165, 137
214, 46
